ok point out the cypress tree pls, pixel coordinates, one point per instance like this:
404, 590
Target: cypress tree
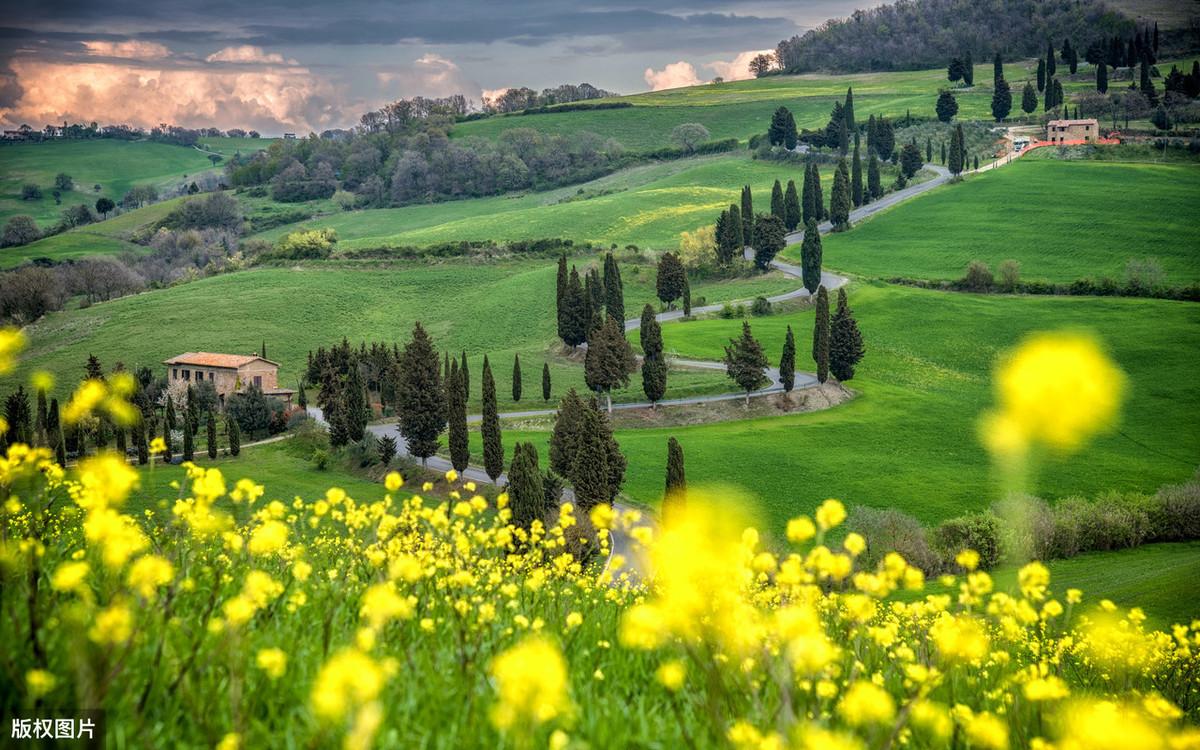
808, 207
561, 298
997, 69
874, 186
819, 206
302, 398
729, 240
810, 257
929, 150
745, 362
821, 335
1001, 100
212, 435
545, 381
41, 434
1051, 65
139, 440
654, 364
386, 450
770, 237
845, 342
884, 140
777, 200
526, 496
122, 445
609, 360
968, 70
720, 232
493, 448
856, 176
1101, 77
791, 207
355, 409
839, 202
787, 362
93, 368
60, 446
1059, 99
189, 447
420, 397
458, 438
957, 157
565, 438
1041, 75
614, 292
516, 378
576, 315
1029, 99
848, 112
589, 469
670, 278
687, 297
193, 410
675, 495
1146, 86
235, 438
170, 413
747, 217
464, 377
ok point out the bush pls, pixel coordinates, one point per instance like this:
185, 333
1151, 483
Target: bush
890, 530
1028, 531
320, 459
978, 277
1010, 275
977, 531
761, 306
20, 230
1175, 514
1111, 522
313, 244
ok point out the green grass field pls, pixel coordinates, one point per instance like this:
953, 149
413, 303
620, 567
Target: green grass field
909, 439
229, 146
114, 165
1062, 220
497, 308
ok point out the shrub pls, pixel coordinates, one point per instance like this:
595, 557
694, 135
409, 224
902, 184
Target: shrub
20, 230
1112, 521
977, 531
1010, 275
31, 192
320, 459
761, 306
890, 530
313, 244
1028, 530
978, 277
1175, 514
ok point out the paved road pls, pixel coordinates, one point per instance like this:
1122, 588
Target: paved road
621, 541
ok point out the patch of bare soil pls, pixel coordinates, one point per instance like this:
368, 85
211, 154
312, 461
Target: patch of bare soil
776, 404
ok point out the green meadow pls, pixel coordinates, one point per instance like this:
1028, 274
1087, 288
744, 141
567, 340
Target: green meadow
909, 439
1061, 220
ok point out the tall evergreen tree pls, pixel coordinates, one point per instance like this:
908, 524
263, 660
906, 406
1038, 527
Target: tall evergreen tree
845, 342
884, 141
561, 298
654, 363
355, 409
782, 130
957, 155
819, 206
212, 435
576, 316
458, 437
386, 450
821, 335
609, 360
787, 362
235, 438
791, 207
670, 278
420, 397
729, 241
777, 200
302, 398
874, 185
839, 202
139, 441
770, 236
675, 494
997, 69
516, 378
810, 257
18, 417
189, 440
589, 469
41, 435
1146, 86
1001, 100
848, 113
464, 377
1041, 75
687, 297
968, 70
856, 176
747, 217
1029, 99
545, 381
745, 362
526, 496
565, 438
1101, 77
93, 368
489, 428
946, 106
614, 290
808, 208
1051, 65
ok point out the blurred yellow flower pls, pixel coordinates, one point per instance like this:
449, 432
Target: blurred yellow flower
148, 573
270, 537
830, 514
670, 674
69, 576
348, 680
113, 625
12, 341
393, 481
531, 685
273, 661
867, 703
39, 682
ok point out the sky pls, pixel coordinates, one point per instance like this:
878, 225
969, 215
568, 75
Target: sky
303, 66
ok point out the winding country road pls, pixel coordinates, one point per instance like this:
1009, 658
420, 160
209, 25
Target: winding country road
621, 541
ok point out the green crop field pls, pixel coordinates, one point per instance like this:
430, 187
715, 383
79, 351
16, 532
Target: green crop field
1061, 220
230, 146
114, 165
496, 308
909, 439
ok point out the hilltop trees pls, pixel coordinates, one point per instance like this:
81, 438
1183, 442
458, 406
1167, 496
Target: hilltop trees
845, 341
745, 362
770, 236
787, 362
821, 335
839, 201
420, 398
670, 279
654, 364
609, 360
810, 256
947, 106
791, 207
493, 448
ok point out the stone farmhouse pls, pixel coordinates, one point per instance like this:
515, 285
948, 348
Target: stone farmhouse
1073, 131
229, 373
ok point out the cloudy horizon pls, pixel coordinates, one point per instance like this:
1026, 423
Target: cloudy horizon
308, 67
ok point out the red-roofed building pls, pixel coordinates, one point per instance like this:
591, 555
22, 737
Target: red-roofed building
228, 373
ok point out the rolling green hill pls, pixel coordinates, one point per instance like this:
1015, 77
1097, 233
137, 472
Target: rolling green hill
1061, 220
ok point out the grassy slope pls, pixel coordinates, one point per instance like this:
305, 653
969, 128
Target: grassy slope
498, 308
115, 165
743, 108
1061, 220
230, 146
909, 438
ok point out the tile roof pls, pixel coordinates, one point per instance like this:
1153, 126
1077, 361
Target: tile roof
209, 359
1091, 121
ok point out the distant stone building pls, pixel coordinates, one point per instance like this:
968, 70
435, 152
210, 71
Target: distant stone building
229, 373
1067, 131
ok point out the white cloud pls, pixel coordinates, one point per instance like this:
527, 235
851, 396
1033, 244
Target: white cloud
673, 76
247, 53
491, 95
428, 75
129, 49
737, 69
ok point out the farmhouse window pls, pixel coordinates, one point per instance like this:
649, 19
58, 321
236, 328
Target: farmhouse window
187, 374
258, 381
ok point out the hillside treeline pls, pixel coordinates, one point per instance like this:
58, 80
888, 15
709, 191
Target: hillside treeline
924, 34
403, 153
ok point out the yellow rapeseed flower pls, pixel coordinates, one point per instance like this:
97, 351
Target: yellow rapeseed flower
670, 674
830, 514
148, 573
39, 682
866, 703
113, 625
348, 680
12, 341
69, 576
270, 537
272, 661
531, 685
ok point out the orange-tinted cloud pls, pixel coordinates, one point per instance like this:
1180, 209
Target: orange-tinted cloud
673, 76
737, 69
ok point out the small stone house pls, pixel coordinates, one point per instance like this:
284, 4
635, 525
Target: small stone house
229, 373
1066, 131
